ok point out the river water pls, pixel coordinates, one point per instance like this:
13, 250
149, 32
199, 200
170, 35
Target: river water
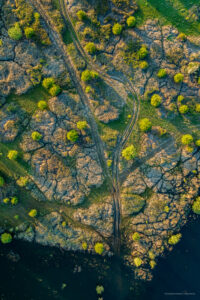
47, 273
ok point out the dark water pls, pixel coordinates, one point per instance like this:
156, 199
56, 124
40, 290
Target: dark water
42, 272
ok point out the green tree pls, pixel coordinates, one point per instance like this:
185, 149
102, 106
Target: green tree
47, 83
196, 206
42, 105
117, 29
145, 125
142, 53
6, 200
2, 181
131, 21
136, 236
156, 100
15, 32
84, 246
137, 261
81, 125
6, 238
91, 48
143, 65
178, 78
162, 73
81, 15
36, 136
197, 108
72, 135
174, 239
55, 90
129, 152
88, 75
99, 248
32, 213
12, 154
183, 109
29, 32
187, 139
197, 143
182, 37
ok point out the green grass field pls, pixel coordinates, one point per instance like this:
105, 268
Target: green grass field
174, 12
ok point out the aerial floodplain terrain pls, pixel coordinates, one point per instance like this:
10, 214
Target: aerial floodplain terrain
99, 136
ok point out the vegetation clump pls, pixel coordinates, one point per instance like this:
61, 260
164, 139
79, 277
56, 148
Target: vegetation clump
187, 139
180, 98
99, 248
142, 52
145, 125
14, 200
15, 32
81, 15
6, 200
162, 73
174, 239
131, 21
183, 109
55, 90
84, 246
182, 37
143, 65
156, 100
99, 289
36, 136
12, 154
129, 152
49, 84
6, 238
178, 78
22, 181
197, 108
117, 29
88, 75
196, 206
32, 213
72, 135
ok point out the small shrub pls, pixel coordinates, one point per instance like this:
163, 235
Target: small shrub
196, 206
142, 53
14, 200
6, 238
152, 264
42, 105
22, 181
32, 213
197, 108
182, 37
183, 109
6, 200
151, 255
109, 163
15, 32
2, 181
91, 48
162, 73
199, 80
156, 100
12, 154
1, 42
174, 239
99, 289
129, 152
145, 125
29, 32
88, 89
47, 83
36, 136
81, 15
178, 78
81, 125
138, 262
143, 65
84, 246
166, 209
55, 90
187, 139
136, 236
180, 98
99, 248
117, 29
131, 21
72, 135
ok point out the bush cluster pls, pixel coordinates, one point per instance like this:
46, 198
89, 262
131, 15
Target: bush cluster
32, 213
99, 248
88, 75
129, 152
91, 48
156, 100
12, 154
72, 135
49, 84
178, 78
117, 29
162, 73
187, 139
196, 206
131, 21
174, 239
15, 32
183, 109
36, 136
145, 125
6, 238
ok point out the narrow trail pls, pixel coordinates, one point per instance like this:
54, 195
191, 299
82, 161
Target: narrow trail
121, 142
